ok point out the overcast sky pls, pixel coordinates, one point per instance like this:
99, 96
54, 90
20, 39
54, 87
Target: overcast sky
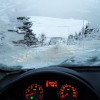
79, 9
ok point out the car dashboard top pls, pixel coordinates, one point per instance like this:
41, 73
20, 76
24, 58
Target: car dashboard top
49, 84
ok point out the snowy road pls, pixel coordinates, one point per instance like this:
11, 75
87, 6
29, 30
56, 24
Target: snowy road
87, 54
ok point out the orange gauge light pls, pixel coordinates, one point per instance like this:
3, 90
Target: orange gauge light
34, 92
68, 92
51, 83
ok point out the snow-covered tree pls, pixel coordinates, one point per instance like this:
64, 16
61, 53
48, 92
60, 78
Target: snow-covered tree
70, 40
87, 33
42, 39
24, 28
76, 36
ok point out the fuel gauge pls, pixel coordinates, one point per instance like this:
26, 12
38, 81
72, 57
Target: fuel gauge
67, 92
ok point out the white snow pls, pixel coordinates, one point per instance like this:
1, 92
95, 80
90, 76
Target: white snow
87, 53
84, 55
56, 27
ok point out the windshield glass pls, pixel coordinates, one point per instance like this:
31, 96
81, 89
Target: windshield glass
40, 33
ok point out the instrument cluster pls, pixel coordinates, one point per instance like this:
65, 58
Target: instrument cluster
51, 88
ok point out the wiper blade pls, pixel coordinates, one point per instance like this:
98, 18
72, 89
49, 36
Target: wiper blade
4, 73
4, 67
13, 68
81, 67
8, 70
78, 65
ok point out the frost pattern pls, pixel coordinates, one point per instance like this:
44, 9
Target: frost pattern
78, 51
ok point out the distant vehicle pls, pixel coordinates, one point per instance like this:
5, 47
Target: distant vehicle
57, 40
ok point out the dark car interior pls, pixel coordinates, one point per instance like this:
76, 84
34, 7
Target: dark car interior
52, 83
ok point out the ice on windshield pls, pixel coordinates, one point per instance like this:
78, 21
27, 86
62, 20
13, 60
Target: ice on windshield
41, 33
35, 42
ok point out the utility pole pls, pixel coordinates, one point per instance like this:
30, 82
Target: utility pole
68, 28
83, 34
83, 30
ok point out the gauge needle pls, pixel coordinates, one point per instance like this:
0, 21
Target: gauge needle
64, 96
29, 94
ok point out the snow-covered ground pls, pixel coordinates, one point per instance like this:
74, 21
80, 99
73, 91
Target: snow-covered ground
16, 57
50, 55
56, 27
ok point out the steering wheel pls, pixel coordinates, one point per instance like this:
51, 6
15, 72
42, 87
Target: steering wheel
60, 80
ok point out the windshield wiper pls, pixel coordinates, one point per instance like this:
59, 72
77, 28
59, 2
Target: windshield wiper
4, 73
4, 67
81, 67
8, 70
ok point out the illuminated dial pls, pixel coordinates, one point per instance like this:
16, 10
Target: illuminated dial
34, 92
67, 92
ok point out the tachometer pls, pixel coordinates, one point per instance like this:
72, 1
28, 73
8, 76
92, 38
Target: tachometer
67, 92
34, 92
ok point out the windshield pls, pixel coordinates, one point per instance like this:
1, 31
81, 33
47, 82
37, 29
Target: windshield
40, 33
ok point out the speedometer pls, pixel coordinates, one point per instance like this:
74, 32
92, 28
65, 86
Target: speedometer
34, 92
67, 92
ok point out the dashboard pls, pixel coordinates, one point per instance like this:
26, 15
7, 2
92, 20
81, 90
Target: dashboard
51, 83
51, 89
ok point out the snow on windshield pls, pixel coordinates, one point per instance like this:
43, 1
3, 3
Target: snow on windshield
35, 42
